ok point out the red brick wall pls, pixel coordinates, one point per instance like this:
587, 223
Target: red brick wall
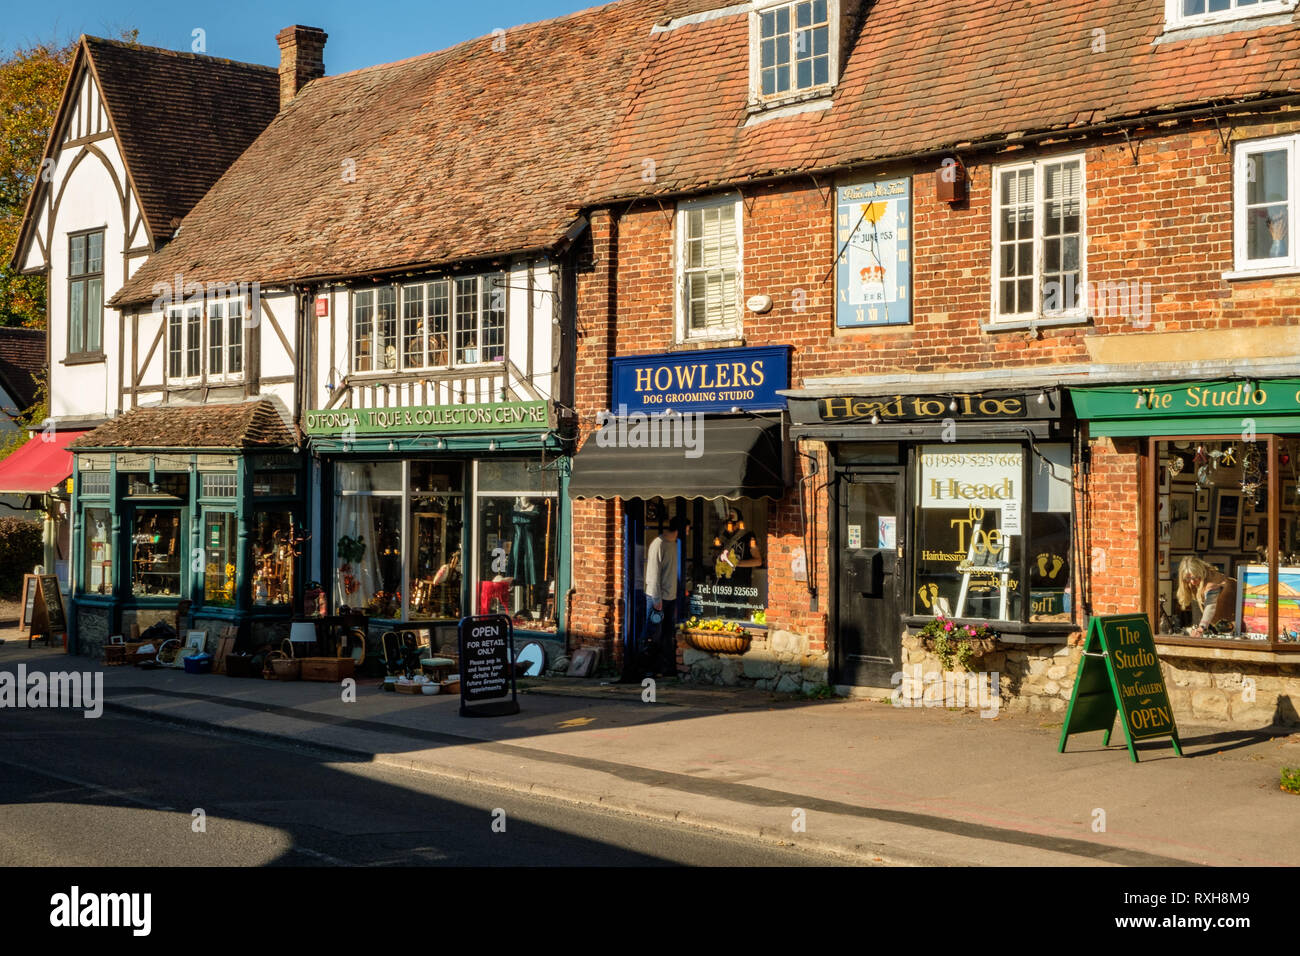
1114, 543
1165, 220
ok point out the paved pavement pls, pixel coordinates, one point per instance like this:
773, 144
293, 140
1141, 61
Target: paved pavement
78, 793
856, 777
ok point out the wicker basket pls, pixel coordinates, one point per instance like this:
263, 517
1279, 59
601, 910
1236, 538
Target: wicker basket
718, 642
285, 667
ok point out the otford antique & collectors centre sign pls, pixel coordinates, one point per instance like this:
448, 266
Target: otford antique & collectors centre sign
716, 380
491, 417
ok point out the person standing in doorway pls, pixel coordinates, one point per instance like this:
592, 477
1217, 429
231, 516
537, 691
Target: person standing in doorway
660, 653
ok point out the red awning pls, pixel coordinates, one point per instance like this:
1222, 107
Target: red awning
39, 465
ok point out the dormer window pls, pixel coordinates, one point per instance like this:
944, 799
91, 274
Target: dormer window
1194, 13
793, 50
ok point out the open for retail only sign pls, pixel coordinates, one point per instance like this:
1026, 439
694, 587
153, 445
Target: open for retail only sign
1119, 673
487, 672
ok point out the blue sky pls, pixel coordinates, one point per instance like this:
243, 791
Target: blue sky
361, 32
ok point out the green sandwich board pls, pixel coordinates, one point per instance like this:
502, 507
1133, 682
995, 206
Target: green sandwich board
1119, 673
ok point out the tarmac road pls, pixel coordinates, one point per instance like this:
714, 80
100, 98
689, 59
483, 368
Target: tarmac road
123, 791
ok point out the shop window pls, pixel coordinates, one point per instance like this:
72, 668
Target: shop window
218, 486
709, 268
275, 560
726, 560
1050, 534
95, 483
1212, 513
163, 485
156, 552
220, 550
97, 576
368, 537
517, 514
275, 484
435, 551
972, 535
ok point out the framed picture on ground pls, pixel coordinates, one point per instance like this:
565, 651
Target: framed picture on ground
1227, 519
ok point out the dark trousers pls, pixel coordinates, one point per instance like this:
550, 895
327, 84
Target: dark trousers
659, 653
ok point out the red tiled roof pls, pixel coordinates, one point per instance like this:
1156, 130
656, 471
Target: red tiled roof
181, 119
465, 153
22, 363
925, 76
244, 425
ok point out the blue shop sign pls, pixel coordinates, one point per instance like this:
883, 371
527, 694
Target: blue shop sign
717, 380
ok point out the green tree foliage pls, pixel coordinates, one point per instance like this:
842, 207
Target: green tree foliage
31, 86
20, 550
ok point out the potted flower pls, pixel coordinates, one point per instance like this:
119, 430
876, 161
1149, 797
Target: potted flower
716, 636
956, 643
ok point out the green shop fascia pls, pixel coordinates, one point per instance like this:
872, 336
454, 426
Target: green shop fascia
1190, 408
220, 528
433, 513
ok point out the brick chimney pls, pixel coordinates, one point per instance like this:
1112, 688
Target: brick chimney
302, 59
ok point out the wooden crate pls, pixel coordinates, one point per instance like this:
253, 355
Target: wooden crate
328, 668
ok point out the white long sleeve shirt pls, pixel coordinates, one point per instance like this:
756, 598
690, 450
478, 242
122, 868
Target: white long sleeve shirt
661, 570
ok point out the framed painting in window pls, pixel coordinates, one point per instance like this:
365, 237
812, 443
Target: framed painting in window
1227, 519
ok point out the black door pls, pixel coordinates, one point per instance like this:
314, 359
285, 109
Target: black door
870, 540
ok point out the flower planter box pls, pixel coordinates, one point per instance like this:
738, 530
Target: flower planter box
718, 642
